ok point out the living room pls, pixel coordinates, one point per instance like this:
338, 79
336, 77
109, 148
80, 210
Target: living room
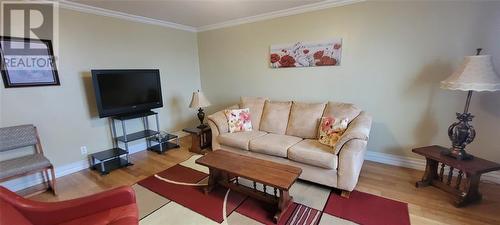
363, 126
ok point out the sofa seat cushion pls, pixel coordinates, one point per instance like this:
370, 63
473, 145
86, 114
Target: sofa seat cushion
239, 139
311, 152
275, 117
23, 165
273, 144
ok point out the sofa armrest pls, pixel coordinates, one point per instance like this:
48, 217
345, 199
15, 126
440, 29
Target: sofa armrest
359, 128
219, 119
215, 134
46, 213
350, 162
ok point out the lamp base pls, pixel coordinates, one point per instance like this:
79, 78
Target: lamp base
459, 154
201, 117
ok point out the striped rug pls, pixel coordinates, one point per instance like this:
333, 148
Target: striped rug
304, 215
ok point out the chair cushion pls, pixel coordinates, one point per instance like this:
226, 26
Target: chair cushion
310, 151
273, 144
341, 110
23, 164
304, 119
256, 106
275, 117
239, 139
123, 215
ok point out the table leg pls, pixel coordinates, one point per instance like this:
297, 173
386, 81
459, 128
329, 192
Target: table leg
213, 178
430, 174
471, 191
284, 201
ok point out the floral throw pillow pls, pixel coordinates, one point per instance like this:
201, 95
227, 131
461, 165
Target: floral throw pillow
238, 120
330, 130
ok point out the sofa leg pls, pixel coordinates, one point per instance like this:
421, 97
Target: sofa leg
345, 194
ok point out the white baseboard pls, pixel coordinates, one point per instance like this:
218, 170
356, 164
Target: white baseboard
415, 163
63, 170
395, 160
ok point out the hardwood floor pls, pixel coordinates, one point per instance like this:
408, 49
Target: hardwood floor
427, 205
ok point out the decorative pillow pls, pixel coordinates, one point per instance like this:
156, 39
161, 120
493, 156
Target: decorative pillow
330, 130
238, 120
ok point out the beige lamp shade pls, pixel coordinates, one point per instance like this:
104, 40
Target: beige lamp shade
198, 100
475, 74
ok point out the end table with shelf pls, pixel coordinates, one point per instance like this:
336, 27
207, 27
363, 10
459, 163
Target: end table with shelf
201, 138
465, 191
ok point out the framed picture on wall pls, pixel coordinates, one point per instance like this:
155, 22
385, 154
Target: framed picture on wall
306, 54
27, 62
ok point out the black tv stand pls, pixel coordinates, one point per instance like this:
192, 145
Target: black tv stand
114, 158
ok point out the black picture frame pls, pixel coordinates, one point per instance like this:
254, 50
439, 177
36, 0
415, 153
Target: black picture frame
7, 74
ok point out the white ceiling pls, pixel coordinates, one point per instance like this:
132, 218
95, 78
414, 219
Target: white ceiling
200, 14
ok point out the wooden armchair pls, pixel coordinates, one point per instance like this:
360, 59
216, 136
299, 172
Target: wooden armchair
16, 137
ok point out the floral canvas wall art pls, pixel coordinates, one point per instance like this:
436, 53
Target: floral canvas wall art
306, 54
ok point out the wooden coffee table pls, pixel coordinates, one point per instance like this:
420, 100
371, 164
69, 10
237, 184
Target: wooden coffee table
226, 167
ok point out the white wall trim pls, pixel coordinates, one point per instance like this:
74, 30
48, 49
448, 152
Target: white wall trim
32, 180
120, 15
265, 16
395, 160
416, 163
280, 13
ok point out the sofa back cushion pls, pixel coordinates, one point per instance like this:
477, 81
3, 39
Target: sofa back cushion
304, 119
275, 117
256, 106
341, 110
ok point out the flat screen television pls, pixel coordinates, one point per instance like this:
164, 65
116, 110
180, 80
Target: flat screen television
122, 92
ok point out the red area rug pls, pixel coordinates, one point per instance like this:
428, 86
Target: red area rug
210, 205
368, 209
361, 208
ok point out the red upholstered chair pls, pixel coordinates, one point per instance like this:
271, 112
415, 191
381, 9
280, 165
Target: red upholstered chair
113, 207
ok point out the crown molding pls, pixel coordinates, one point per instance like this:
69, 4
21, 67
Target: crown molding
280, 13
120, 15
266, 16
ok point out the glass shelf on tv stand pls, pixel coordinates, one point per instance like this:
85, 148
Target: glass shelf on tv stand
108, 160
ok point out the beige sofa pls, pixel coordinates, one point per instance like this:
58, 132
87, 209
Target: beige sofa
287, 132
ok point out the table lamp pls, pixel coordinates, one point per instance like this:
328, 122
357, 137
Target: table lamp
199, 101
475, 74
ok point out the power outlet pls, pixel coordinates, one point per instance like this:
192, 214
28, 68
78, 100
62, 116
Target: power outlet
83, 150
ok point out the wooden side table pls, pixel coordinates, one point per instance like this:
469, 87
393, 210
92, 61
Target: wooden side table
466, 191
200, 138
